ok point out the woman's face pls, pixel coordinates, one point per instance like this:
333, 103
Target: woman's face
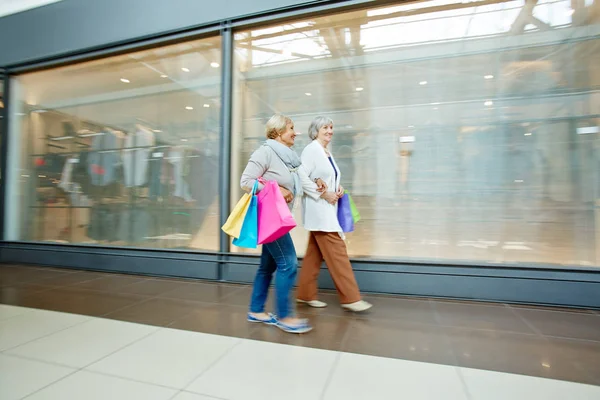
289, 136
325, 134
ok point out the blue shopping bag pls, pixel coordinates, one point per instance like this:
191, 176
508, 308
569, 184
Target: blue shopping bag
344, 214
249, 233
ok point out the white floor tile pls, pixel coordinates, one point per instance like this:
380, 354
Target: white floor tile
33, 325
7, 311
263, 371
489, 385
366, 377
90, 386
85, 343
169, 357
19, 377
191, 396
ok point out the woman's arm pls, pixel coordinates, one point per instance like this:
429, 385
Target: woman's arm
306, 169
256, 168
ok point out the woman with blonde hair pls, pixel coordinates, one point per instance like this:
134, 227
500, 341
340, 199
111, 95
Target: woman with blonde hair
276, 161
326, 241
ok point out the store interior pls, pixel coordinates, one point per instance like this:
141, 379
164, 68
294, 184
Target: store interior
465, 133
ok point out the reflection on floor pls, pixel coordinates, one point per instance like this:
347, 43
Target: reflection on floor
129, 337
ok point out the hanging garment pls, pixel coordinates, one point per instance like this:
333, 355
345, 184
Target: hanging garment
136, 154
104, 159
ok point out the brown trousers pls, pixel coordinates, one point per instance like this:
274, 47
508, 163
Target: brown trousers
330, 247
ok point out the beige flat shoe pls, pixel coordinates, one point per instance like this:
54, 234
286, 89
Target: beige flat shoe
359, 306
312, 303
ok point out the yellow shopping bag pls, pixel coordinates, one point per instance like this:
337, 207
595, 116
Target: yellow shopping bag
233, 225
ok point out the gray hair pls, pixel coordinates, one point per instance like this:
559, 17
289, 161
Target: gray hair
316, 125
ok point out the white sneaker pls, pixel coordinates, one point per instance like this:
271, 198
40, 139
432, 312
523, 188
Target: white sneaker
359, 306
312, 303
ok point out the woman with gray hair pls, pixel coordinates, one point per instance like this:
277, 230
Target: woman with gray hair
326, 241
276, 161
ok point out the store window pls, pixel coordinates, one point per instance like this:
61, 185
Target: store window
121, 151
465, 133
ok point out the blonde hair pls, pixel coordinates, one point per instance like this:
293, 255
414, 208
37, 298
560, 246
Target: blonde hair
276, 125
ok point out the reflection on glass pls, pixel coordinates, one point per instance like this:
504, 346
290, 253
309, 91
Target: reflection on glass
120, 151
465, 131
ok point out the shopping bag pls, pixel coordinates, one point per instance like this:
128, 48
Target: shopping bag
248, 237
274, 217
344, 214
233, 225
355, 213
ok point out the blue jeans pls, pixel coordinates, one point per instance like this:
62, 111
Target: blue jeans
279, 256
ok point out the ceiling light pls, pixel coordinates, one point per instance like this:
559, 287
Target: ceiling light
189, 108
184, 140
62, 138
422, 83
528, 134
206, 105
360, 89
164, 76
184, 69
214, 64
40, 111
488, 77
124, 80
308, 94
411, 126
157, 130
489, 103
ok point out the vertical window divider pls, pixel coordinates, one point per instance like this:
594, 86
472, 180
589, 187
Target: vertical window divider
4, 152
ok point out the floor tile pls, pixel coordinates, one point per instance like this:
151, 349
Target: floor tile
157, 311
485, 385
263, 371
152, 287
367, 377
79, 301
475, 316
11, 275
112, 283
7, 311
514, 353
585, 355
404, 340
205, 292
329, 333
566, 325
17, 293
420, 311
73, 278
33, 325
19, 377
90, 386
192, 396
218, 319
169, 357
85, 343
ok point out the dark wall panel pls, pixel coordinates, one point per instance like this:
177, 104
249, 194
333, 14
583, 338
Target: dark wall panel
74, 25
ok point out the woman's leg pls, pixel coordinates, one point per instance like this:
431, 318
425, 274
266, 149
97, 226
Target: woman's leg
309, 273
335, 253
284, 254
262, 281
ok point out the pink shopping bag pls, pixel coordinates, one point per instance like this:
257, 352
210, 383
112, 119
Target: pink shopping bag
274, 216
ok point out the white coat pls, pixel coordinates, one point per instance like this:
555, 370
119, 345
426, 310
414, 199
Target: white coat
318, 214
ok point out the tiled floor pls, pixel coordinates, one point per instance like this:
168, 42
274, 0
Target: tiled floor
179, 339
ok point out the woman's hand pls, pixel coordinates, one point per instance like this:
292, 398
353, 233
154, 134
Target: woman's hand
321, 186
330, 197
340, 192
287, 195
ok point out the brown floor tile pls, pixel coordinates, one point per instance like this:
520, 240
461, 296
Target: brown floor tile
111, 283
15, 294
205, 292
565, 325
153, 287
217, 319
403, 340
11, 275
475, 316
548, 308
419, 311
155, 311
71, 279
329, 333
585, 355
79, 301
512, 353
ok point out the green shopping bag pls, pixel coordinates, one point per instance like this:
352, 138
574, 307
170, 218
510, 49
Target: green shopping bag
355, 213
